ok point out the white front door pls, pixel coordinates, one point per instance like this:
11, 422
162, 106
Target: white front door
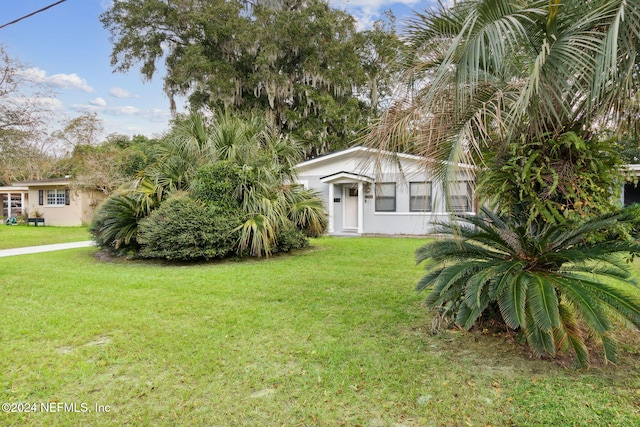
351, 206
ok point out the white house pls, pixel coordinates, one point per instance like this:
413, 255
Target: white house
367, 191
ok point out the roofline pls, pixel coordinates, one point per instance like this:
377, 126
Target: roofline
329, 156
344, 174
359, 148
43, 182
13, 189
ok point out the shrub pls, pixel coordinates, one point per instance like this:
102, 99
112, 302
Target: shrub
290, 238
115, 224
553, 179
218, 183
183, 228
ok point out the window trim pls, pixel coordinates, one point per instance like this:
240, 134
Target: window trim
426, 207
59, 195
385, 198
469, 196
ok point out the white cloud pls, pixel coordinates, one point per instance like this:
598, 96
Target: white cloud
367, 12
99, 105
98, 102
125, 110
118, 92
106, 4
157, 115
115, 110
52, 103
374, 4
46, 103
61, 81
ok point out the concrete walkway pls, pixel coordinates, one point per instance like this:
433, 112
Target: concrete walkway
45, 248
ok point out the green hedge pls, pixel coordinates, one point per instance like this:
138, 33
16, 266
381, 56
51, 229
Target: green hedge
183, 228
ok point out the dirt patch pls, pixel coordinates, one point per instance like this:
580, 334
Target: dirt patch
503, 349
106, 256
99, 341
267, 392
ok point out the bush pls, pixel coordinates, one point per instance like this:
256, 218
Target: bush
290, 238
218, 183
115, 224
183, 228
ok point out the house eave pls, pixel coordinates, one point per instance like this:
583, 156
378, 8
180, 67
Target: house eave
55, 182
344, 177
374, 151
13, 189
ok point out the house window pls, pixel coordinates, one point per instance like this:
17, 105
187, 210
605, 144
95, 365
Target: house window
386, 197
420, 196
460, 196
56, 197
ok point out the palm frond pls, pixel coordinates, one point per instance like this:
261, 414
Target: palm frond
451, 280
543, 302
257, 235
541, 340
467, 315
610, 349
512, 302
584, 302
625, 303
307, 211
568, 335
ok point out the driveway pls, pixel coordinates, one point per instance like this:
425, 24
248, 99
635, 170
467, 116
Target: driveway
45, 248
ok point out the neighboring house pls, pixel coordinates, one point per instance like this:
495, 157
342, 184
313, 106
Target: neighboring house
13, 201
58, 203
368, 191
631, 190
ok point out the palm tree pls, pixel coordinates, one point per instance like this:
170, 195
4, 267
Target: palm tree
546, 280
484, 73
196, 140
265, 189
522, 89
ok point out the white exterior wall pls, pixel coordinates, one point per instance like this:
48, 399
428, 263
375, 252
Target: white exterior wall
401, 169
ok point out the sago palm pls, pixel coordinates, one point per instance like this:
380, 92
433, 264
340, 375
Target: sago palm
555, 283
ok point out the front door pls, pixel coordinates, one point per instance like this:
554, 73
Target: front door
351, 206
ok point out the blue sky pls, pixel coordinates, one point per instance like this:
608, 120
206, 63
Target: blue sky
66, 48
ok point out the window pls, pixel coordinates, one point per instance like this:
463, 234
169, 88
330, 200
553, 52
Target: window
386, 197
57, 197
460, 196
420, 196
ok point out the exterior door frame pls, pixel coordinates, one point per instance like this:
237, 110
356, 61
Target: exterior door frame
351, 209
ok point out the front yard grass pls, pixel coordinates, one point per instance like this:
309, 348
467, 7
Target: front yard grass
19, 236
334, 335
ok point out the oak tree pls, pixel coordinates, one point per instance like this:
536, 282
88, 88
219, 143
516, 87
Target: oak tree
299, 61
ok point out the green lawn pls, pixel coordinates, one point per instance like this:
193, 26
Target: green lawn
17, 236
331, 336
